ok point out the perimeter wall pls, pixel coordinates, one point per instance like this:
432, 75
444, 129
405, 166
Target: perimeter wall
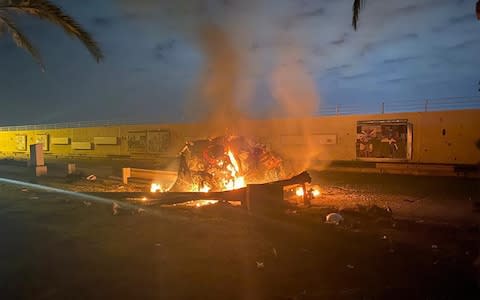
442, 137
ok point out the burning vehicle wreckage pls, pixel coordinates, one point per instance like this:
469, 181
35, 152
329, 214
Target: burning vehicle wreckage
227, 163
237, 168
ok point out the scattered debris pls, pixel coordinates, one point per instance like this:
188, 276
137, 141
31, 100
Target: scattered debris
275, 252
24, 190
91, 177
384, 237
141, 210
351, 267
334, 218
158, 244
33, 198
87, 203
389, 209
115, 208
260, 265
434, 247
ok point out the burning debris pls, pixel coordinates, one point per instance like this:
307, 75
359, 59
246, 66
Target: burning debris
227, 163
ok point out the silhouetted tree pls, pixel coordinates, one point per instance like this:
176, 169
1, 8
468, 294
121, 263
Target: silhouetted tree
50, 12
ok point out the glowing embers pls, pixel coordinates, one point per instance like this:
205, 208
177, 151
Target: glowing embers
299, 193
200, 203
156, 188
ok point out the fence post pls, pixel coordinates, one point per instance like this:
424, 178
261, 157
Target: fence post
383, 108
426, 105
337, 109
126, 172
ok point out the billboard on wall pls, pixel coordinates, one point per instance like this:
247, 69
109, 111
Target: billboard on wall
42, 139
21, 142
158, 141
137, 141
384, 140
151, 141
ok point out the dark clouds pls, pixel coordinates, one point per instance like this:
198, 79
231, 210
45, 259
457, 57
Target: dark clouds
155, 61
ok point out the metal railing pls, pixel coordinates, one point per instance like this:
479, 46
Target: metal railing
79, 124
409, 105
397, 106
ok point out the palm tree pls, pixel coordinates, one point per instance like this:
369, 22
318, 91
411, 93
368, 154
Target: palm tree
45, 10
359, 4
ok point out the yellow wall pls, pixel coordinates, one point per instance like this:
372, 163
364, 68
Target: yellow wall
457, 146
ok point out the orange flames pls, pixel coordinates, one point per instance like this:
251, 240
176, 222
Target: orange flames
155, 187
236, 182
232, 180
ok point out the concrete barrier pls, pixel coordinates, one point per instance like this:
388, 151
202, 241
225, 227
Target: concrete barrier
166, 178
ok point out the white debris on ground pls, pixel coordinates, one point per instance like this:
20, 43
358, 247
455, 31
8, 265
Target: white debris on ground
334, 218
91, 177
275, 252
260, 265
115, 208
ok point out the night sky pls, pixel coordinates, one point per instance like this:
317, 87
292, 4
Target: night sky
156, 65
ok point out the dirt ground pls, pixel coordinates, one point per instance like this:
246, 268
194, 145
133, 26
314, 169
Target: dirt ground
62, 246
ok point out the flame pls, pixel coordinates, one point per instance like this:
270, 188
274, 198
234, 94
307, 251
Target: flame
233, 160
236, 182
205, 188
316, 193
232, 181
155, 187
200, 203
299, 192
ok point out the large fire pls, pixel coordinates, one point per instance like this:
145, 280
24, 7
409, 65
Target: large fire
226, 163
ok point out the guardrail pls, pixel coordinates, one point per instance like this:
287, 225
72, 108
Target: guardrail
409, 105
397, 106
161, 176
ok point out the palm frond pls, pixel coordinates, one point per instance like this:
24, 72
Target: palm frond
20, 39
357, 6
48, 11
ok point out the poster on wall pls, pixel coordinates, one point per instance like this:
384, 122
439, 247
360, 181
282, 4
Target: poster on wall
137, 141
158, 141
21, 142
42, 139
384, 140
